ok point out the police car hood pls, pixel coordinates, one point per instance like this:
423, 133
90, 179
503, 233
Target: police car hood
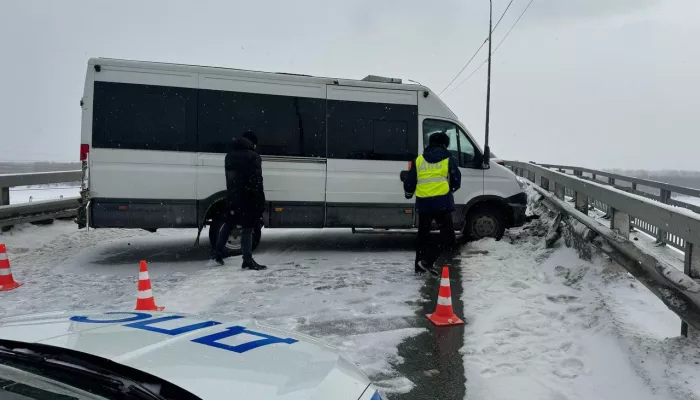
213, 357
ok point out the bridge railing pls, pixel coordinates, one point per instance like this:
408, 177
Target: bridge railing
11, 214
659, 191
674, 225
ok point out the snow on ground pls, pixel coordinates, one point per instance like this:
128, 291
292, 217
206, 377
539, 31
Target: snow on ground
356, 292
646, 242
25, 194
688, 199
544, 324
541, 323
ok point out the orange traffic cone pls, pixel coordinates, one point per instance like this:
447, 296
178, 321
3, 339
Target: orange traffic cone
7, 282
144, 299
443, 314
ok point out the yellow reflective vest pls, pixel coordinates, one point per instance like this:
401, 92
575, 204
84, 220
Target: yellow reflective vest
433, 178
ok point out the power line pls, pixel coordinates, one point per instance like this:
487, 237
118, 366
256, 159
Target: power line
496, 49
477, 50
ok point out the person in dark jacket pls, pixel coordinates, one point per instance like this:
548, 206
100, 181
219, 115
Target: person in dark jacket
245, 197
433, 177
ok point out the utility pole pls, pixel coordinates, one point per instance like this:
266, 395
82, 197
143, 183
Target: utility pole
487, 150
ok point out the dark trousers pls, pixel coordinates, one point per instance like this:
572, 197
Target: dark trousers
428, 249
246, 238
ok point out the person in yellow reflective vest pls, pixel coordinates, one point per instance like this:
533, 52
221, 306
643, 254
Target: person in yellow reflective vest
433, 177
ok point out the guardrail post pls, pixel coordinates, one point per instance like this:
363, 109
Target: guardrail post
609, 214
581, 202
620, 222
692, 269
664, 197
634, 190
559, 190
5, 200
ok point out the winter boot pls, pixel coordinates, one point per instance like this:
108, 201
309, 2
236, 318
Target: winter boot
423, 266
418, 270
253, 265
218, 259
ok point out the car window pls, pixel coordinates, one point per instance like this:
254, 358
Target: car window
372, 131
466, 150
144, 117
461, 146
25, 385
285, 125
432, 126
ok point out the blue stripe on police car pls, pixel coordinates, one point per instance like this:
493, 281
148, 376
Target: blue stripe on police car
142, 321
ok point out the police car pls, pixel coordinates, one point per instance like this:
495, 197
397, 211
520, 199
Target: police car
157, 356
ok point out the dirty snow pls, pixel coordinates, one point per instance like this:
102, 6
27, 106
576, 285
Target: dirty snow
544, 324
356, 292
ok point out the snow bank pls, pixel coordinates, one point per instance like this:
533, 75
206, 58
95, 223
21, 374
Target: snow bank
544, 324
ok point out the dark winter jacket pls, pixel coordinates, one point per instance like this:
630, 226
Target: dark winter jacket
244, 180
434, 154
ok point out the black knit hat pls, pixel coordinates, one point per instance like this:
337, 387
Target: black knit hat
252, 137
439, 139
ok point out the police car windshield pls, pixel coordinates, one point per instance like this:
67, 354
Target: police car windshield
19, 384
33, 371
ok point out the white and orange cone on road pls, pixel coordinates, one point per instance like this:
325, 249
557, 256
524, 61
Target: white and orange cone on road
144, 298
7, 282
444, 315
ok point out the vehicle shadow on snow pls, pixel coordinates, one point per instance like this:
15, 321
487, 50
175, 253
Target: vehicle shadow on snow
166, 251
181, 249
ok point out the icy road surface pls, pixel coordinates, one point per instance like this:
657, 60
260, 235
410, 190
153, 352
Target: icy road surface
356, 292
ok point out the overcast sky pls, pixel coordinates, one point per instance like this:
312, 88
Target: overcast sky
595, 83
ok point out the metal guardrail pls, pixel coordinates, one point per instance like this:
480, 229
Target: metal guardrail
39, 210
659, 191
680, 291
39, 178
577, 171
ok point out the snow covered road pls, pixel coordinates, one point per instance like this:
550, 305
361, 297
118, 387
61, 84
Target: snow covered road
541, 323
356, 292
